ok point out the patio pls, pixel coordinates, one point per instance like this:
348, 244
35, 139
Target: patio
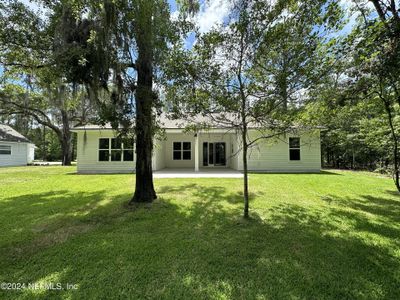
202, 173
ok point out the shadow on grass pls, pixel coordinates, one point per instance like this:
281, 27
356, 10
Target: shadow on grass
322, 172
44, 219
201, 249
394, 193
99, 174
209, 193
385, 208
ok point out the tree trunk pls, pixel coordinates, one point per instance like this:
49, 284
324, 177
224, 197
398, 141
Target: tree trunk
379, 10
283, 83
73, 144
396, 172
44, 148
245, 178
66, 151
244, 158
144, 189
245, 148
65, 140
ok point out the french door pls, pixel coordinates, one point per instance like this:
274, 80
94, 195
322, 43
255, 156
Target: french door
214, 154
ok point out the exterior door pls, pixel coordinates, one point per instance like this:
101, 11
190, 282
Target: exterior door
214, 154
220, 154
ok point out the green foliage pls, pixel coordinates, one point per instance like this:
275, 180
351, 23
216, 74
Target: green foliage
98, 45
35, 82
25, 35
48, 147
356, 136
188, 7
358, 98
267, 56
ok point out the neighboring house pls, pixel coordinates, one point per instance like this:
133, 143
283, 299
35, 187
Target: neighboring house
99, 151
15, 149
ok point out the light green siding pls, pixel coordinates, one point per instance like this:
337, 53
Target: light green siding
168, 144
273, 155
88, 154
265, 156
159, 155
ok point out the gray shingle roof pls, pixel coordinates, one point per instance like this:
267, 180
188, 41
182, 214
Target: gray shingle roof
214, 121
8, 134
166, 123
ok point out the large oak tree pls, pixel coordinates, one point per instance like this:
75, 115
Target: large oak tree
118, 49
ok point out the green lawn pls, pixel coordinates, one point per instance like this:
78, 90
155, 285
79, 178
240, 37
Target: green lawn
334, 235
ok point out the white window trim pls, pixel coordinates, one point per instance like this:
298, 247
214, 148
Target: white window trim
8, 146
181, 151
294, 148
109, 151
103, 149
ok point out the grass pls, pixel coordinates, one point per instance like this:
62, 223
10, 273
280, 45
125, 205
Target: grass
333, 235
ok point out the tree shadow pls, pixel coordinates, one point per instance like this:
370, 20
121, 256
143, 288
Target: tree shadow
202, 248
43, 219
393, 193
383, 207
76, 173
209, 193
322, 172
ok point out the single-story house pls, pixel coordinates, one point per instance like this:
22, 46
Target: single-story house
100, 151
15, 149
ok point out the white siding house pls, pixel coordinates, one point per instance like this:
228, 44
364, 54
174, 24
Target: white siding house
99, 150
15, 149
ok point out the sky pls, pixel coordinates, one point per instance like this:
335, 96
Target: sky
216, 11
211, 13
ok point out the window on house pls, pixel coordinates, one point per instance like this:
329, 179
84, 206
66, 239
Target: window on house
5, 150
182, 151
115, 149
294, 148
104, 149
127, 149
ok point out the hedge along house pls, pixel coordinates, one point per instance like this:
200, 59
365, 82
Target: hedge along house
15, 149
100, 151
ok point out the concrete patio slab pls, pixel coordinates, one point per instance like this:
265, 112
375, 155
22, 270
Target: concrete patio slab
203, 173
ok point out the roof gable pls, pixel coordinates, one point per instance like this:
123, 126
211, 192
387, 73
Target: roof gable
8, 134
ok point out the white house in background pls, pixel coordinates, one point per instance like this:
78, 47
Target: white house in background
99, 151
15, 149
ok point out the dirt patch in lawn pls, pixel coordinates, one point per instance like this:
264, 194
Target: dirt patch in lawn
45, 239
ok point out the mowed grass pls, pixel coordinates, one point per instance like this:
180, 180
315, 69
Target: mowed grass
334, 235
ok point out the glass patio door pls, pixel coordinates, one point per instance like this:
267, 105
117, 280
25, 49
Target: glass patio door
214, 154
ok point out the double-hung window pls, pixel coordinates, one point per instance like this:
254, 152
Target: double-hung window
294, 148
115, 149
104, 149
5, 150
182, 151
127, 150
